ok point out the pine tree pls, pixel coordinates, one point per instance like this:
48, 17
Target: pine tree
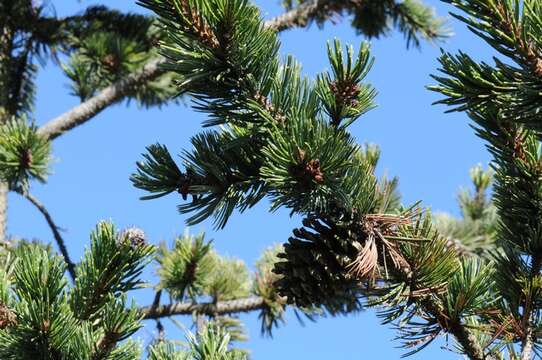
222, 55
285, 138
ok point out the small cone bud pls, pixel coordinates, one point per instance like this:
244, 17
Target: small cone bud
134, 236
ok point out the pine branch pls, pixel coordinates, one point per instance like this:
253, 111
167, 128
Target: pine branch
80, 114
506, 30
115, 92
467, 340
219, 308
54, 228
104, 346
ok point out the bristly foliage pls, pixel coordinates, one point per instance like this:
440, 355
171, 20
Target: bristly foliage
503, 101
277, 140
224, 54
41, 314
24, 155
229, 280
343, 99
159, 174
184, 268
18, 53
264, 285
43, 318
111, 46
192, 271
210, 343
513, 28
111, 266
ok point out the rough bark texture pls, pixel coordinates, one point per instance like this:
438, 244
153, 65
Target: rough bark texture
462, 334
527, 345
219, 308
469, 342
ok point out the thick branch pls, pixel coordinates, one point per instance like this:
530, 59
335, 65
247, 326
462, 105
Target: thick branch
527, 346
469, 342
462, 334
111, 94
55, 230
219, 308
301, 15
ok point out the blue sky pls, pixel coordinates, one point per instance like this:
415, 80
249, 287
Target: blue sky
430, 151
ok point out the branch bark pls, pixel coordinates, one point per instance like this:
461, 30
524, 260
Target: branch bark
527, 346
462, 334
188, 308
302, 14
110, 95
469, 342
55, 230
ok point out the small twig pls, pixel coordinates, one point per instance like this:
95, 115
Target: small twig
159, 327
55, 229
161, 332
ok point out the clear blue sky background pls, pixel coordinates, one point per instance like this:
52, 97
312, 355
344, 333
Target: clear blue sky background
431, 153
